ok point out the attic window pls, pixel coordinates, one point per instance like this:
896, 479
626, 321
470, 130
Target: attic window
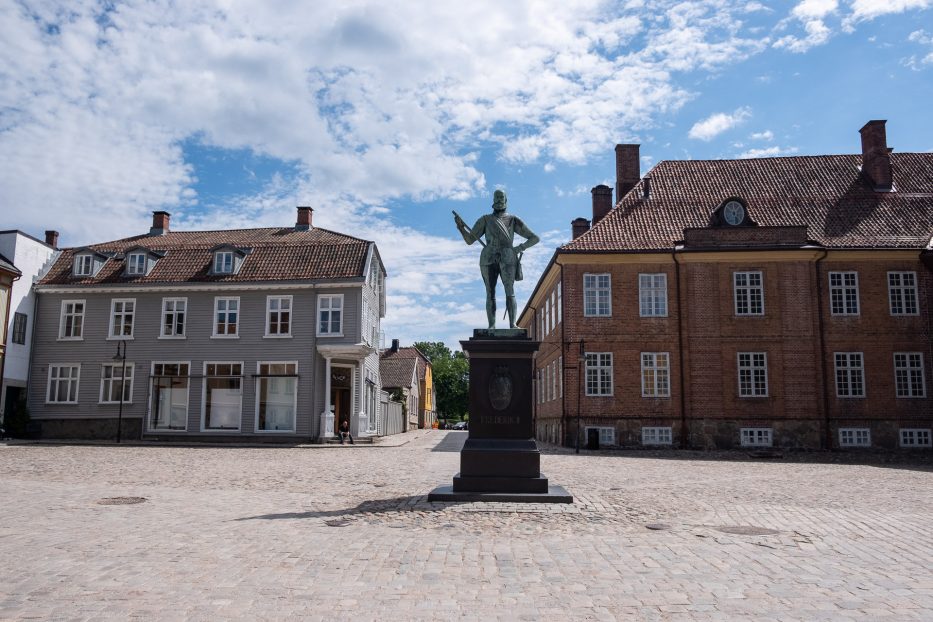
84, 265
223, 262
733, 212
136, 264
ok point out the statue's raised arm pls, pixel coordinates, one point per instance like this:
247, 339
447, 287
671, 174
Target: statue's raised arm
500, 258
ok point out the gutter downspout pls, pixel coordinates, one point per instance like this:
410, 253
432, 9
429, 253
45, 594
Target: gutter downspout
563, 344
827, 432
684, 435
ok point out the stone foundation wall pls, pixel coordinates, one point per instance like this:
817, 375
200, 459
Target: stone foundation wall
89, 429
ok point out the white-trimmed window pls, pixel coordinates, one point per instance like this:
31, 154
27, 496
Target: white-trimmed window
854, 437
843, 293
547, 315
850, 374
136, 264
114, 379
223, 262
279, 316
84, 265
753, 374
749, 293
652, 295
607, 436
174, 312
560, 303
908, 374
18, 335
655, 374
223, 396
756, 437
560, 376
915, 437
170, 384
122, 314
72, 320
553, 311
902, 293
276, 396
657, 436
63, 383
330, 315
226, 317
597, 295
599, 373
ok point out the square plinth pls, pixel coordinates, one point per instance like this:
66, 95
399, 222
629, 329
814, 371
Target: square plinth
553, 494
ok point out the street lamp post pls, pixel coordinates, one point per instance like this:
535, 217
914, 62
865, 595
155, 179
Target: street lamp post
117, 357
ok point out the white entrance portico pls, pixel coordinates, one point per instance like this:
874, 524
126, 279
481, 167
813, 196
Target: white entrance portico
344, 386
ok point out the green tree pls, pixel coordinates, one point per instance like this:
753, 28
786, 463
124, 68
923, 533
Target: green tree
451, 372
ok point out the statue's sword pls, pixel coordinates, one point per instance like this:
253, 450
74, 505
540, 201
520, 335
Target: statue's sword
464, 229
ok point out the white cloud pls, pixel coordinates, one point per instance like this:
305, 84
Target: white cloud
714, 125
870, 9
765, 135
768, 152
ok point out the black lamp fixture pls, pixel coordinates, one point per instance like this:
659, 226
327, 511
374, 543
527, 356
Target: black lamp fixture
121, 356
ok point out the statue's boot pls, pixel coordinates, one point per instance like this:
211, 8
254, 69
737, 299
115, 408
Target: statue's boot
491, 313
510, 306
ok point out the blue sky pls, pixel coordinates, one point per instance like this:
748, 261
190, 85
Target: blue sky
385, 116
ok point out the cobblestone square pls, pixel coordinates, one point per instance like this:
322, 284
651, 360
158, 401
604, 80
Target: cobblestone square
346, 533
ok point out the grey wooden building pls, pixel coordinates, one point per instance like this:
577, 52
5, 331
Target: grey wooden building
252, 334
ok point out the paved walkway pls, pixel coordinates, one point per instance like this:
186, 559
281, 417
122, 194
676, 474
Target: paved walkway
347, 534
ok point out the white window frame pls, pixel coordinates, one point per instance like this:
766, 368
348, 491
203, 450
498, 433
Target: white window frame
84, 265
751, 369
131, 264
756, 437
330, 309
911, 371
745, 293
560, 303
149, 425
215, 319
174, 312
842, 292
600, 369
597, 293
73, 314
560, 376
852, 372
259, 380
854, 437
123, 313
76, 379
903, 295
553, 312
649, 366
657, 435
204, 398
652, 294
220, 262
915, 437
607, 435
279, 311
129, 372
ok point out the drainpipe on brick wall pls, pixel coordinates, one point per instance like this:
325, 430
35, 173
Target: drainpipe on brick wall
563, 344
827, 432
680, 355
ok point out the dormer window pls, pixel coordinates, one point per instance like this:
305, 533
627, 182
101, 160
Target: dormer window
733, 212
223, 262
84, 265
136, 264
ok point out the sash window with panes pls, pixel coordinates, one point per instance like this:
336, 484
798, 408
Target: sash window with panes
597, 293
655, 374
599, 373
753, 374
749, 293
330, 314
278, 316
122, 313
114, 379
843, 293
908, 374
63, 383
850, 374
72, 322
902, 293
136, 264
174, 311
226, 316
652, 295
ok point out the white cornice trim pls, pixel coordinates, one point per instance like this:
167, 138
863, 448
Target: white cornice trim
191, 287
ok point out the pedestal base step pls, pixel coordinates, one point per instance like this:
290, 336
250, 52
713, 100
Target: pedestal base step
554, 494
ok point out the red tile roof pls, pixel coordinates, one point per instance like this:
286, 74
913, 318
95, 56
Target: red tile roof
825, 193
277, 254
395, 368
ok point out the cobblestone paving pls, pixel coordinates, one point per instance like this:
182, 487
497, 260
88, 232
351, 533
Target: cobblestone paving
346, 533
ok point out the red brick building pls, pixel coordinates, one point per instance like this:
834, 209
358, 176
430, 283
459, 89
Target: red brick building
778, 302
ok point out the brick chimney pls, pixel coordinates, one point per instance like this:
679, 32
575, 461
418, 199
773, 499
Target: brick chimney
628, 169
579, 226
602, 202
51, 238
159, 223
304, 219
876, 163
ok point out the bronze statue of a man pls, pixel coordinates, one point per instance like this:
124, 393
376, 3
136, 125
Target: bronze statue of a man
499, 258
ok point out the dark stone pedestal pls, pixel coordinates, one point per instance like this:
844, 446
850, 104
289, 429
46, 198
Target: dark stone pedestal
500, 460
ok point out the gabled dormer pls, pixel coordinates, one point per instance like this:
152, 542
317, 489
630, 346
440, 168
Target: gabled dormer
227, 259
88, 262
139, 261
732, 212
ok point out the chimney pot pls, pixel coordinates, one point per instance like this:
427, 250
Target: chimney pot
628, 169
304, 218
395, 345
876, 161
602, 202
159, 223
579, 226
51, 238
